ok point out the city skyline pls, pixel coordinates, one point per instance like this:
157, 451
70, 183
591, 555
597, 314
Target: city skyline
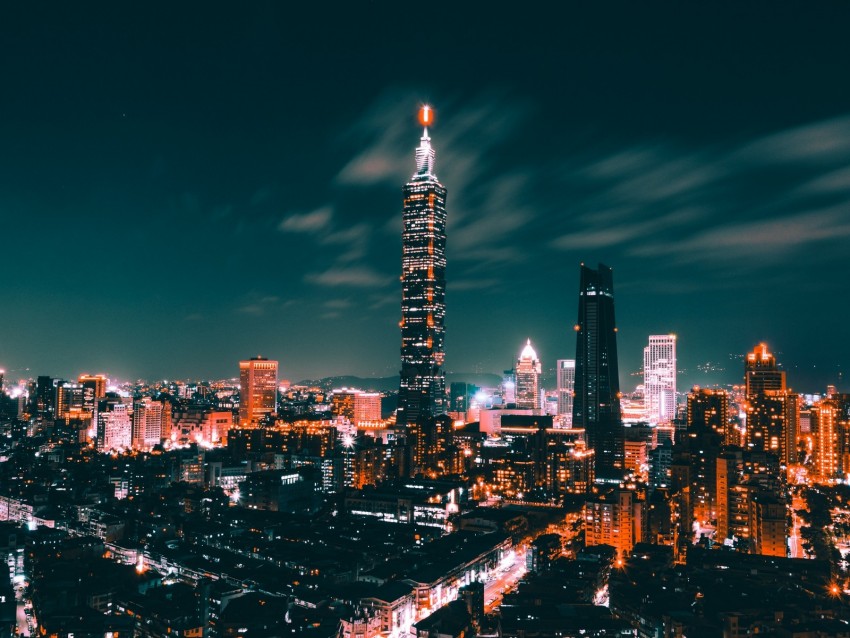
158, 188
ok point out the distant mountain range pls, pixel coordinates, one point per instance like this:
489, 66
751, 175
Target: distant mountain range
390, 384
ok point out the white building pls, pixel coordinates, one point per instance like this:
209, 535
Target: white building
114, 428
566, 371
659, 378
528, 369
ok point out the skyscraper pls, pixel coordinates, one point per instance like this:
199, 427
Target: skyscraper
596, 406
258, 390
422, 387
566, 372
659, 378
528, 370
773, 411
708, 412
761, 372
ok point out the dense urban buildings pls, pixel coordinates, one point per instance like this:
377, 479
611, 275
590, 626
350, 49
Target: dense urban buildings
253, 508
596, 407
423, 288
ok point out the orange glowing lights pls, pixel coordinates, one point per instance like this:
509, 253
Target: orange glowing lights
426, 115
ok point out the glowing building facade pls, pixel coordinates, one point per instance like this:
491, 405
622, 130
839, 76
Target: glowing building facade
528, 370
596, 406
422, 387
659, 378
258, 390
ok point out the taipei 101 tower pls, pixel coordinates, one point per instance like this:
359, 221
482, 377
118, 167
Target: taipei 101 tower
422, 390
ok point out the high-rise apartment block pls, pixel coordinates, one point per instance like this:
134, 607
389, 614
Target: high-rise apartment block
616, 519
830, 424
596, 406
527, 371
422, 386
258, 390
659, 378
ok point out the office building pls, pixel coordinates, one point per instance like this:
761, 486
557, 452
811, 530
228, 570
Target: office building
761, 372
773, 411
566, 373
461, 396
527, 373
114, 427
342, 403
659, 378
147, 423
258, 390
96, 382
423, 284
367, 409
361, 408
708, 411
596, 406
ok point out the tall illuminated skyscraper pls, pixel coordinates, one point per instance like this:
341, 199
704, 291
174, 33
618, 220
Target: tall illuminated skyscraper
258, 390
659, 378
596, 406
422, 388
527, 371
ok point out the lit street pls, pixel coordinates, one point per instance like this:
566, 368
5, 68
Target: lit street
504, 580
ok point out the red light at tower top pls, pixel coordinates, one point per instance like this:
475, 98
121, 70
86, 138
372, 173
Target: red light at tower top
426, 115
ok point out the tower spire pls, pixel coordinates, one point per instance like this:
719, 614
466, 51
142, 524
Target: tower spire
425, 154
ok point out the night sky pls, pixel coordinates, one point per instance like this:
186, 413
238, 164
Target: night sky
185, 186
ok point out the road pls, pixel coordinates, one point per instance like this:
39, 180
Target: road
795, 542
26, 623
495, 588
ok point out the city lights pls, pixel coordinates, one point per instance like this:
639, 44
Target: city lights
688, 475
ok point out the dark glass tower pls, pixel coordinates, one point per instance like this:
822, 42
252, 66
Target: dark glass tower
596, 406
422, 391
